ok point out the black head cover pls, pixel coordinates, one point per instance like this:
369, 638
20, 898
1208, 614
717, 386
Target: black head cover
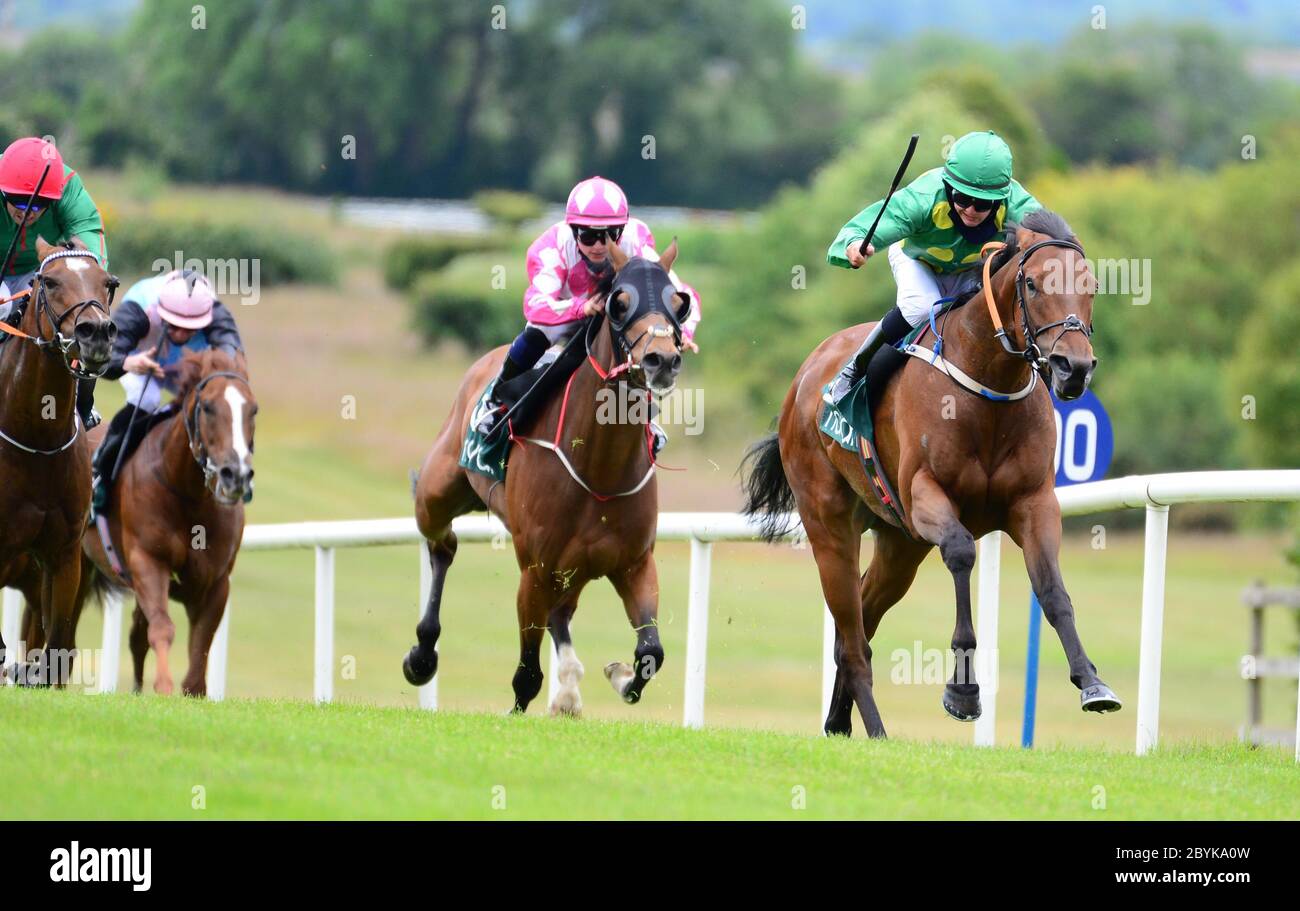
646, 288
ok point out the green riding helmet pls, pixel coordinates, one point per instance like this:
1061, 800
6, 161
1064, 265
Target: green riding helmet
980, 166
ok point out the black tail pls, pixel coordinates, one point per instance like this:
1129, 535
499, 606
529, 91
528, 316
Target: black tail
95, 584
767, 492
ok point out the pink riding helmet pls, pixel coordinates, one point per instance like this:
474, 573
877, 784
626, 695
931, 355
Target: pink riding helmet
596, 202
186, 300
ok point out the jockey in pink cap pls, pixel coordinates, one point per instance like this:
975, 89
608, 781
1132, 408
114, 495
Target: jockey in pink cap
159, 319
564, 265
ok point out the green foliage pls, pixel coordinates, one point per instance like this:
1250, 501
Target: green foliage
507, 208
474, 300
407, 258
135, 246
1267, 369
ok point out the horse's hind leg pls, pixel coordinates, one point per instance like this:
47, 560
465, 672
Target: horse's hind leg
935, 519
139, 639
894, 562
534, 604
421, 662
1035, 525
205, 615
639, 589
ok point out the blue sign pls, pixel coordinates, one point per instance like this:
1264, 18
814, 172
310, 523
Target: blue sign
1085, 442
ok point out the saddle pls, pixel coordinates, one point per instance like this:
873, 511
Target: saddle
524, 397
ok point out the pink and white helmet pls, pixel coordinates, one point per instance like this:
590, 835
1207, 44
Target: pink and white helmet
186, 299
596, 202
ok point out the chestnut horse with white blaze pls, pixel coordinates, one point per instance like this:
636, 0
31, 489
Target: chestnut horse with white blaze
579, 497
44, 469
176, 515
986, 464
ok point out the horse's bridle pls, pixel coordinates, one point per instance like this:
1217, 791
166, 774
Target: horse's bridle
45, 313
191, 417
1032, 352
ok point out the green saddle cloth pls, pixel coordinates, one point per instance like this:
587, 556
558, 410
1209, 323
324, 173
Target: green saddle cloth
848, 420
485, 457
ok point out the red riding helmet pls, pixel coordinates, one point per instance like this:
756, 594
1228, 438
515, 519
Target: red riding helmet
24, 162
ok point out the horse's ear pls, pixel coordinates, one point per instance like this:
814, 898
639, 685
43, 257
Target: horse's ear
617, 257
668, 256
43, 249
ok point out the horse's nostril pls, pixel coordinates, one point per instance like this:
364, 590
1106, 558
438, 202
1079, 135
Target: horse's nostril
1061, 364
676, 363
84, 332
652, 361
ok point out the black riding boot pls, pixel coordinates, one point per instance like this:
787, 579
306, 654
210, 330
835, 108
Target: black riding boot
523, 354
891, 328
105, 459
86, 404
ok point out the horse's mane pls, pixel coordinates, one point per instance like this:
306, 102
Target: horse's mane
195, 365
1040, 221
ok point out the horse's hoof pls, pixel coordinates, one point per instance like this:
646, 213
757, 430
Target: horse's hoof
620, 674
837, 730
962, 706
568, 705
1099, 698
417, 673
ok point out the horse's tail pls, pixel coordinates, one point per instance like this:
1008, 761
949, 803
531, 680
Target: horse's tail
767, 492
95, 583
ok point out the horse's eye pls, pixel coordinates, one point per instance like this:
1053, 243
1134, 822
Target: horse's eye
1029, 283
51, 283
207, 408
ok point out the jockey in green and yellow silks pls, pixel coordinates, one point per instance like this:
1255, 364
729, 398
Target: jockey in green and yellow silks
934, 229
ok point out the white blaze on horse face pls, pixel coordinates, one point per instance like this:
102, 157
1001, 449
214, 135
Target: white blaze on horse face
569, 671
76, 264
236, 401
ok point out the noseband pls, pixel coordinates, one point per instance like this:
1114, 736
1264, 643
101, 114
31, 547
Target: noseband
1032, 352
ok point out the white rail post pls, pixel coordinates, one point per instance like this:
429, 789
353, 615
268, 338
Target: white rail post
1297, 724
324, 624
988, 669
13, 621
111, 650
828, 660
218, 658
1153, 618
697, 633
428, 692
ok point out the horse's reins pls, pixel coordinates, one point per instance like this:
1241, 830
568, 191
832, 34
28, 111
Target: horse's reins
58, 341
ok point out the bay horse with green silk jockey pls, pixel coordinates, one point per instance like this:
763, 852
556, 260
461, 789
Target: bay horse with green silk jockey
967, 442
58, 334
579, 496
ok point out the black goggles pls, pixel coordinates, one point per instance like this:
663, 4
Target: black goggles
590, 236
965, 201
38, 204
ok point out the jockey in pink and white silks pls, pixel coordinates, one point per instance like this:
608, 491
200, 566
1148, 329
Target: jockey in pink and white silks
564, 266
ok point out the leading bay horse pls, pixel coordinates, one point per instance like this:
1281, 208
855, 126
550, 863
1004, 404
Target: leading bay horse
962, 464
176, 515
580, 496
44, 472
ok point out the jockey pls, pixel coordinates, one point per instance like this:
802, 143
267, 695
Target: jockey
160, 318
62, 211
934, 230
564, 265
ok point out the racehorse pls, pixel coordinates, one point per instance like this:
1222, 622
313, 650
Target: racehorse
177, 515
45, 491
964, 464
579, 497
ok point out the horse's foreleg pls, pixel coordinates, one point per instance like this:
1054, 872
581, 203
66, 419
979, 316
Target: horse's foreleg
534, 603
1035, 525
58, 613
205, 616
421, 662
639, 590
568, 669
935, 520
150, 580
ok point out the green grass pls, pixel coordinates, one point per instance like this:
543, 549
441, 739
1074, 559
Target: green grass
143, 757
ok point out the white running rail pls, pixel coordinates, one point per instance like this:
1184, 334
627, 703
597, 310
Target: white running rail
1154, 493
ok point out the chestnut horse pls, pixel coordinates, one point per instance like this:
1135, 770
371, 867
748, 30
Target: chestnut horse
176, 515
584, 509
44, 472
963, 465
